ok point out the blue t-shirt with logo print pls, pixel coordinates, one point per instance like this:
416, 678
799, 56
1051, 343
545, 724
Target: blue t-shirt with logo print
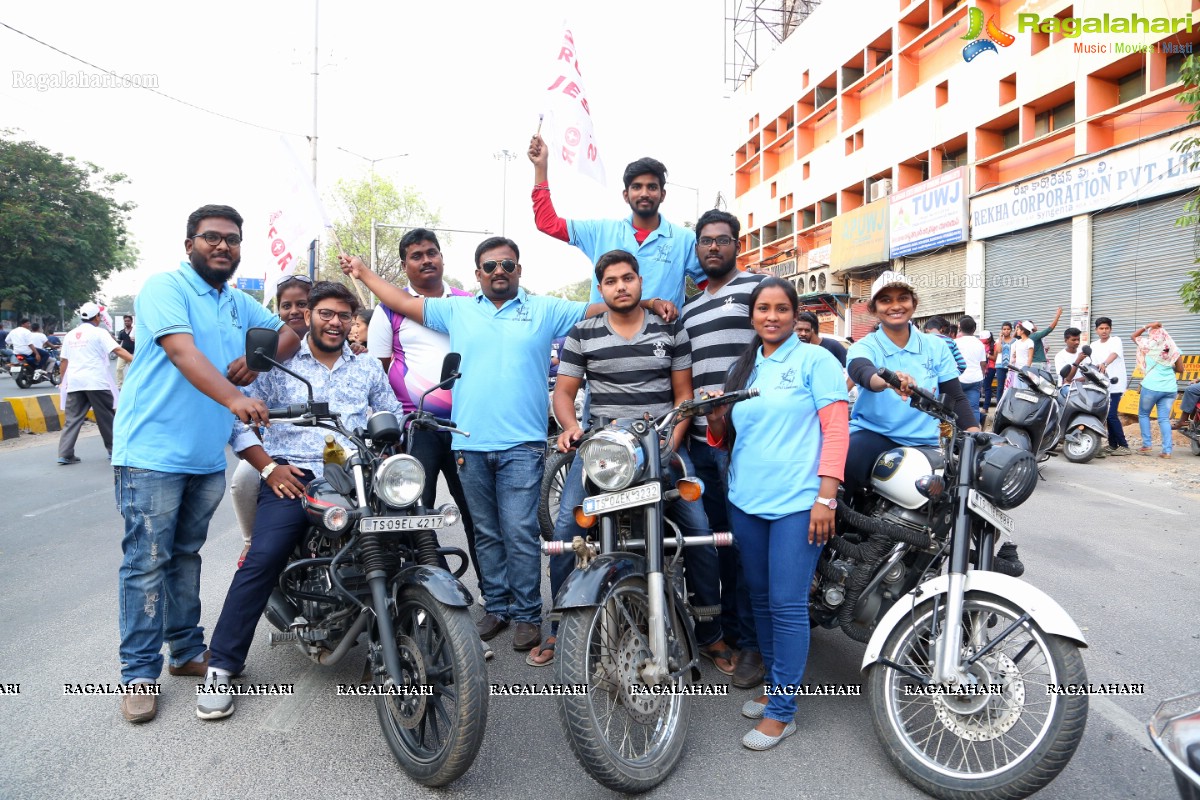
501, 398
927, 360
665, 258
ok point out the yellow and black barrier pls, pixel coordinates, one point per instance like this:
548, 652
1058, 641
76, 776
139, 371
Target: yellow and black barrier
36, 414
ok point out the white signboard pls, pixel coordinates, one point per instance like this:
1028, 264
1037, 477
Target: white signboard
1150, 169
931, 214
819, 256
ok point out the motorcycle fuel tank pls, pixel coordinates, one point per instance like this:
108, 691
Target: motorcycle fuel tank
896, 472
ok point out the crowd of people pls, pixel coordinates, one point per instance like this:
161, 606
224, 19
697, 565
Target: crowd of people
772, 466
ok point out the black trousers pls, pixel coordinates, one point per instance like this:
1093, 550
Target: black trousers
432, 449
78, 403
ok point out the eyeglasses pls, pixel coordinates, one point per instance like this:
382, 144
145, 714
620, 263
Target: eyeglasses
508, 265
214, 238
300, 278
720, 241
328, 313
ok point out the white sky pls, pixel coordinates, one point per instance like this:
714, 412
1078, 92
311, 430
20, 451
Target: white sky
449, 83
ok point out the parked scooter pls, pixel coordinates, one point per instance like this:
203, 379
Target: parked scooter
1175, 731
1029, 413
1082, 412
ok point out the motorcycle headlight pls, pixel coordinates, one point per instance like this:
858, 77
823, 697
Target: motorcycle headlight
399, 481
1007, 475
612, 459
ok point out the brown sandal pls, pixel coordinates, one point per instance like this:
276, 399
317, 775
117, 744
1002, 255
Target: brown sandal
545, 647
723, 653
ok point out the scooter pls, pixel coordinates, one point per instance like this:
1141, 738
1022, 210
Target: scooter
1175, 731
1029, 413
1083, 409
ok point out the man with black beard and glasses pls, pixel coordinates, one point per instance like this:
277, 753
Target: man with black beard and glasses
169, 447
289, 458
717, 322
665, 252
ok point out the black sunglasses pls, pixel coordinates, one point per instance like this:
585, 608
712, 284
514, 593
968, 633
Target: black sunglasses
300, 278
508, 265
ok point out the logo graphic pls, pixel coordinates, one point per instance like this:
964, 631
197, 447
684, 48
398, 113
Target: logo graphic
522, 314
788, 379
660, 350
992, 31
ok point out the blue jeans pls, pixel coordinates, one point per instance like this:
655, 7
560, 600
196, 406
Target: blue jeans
1163, 401
502, 490
1001, 377
166, 524
702, 569
1116, 434
1191, 397
988, 377
737, 617
279, 524
971, 390
779, 568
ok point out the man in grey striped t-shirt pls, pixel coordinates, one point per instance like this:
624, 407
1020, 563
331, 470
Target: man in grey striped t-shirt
635, 364
717, 322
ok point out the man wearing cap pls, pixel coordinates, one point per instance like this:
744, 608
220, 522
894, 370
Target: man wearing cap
88, 386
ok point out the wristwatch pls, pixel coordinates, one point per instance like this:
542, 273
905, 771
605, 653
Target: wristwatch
267, 470
829, 502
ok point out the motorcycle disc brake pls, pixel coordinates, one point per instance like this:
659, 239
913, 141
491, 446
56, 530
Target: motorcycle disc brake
984, 716
409, 709
632, 654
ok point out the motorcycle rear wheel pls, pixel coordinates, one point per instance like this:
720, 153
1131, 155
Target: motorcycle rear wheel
555, 477
1083, 449
999, 746
436, 737
23, 380
629, 743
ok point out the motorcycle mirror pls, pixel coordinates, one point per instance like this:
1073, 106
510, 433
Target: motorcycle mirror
261, 347
1065, 371
1087, 349
1113, 380
450, 367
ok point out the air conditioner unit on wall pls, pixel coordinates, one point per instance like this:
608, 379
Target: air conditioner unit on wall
881, 188
818, 281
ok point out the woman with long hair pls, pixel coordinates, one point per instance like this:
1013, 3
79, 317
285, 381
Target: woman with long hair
1159, 359
787, 450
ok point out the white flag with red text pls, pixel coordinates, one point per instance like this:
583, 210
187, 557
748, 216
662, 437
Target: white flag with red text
298, 218
572, 138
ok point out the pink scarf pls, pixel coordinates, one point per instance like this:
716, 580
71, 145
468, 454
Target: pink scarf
1158, 348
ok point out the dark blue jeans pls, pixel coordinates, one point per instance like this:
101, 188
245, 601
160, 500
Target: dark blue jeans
703, 573
779, 568
278, 525
1116, 434
971, 390
737, 617
502, 490
988, 377
1001, 377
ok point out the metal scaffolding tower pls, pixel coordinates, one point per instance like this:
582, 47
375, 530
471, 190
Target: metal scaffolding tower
754, 29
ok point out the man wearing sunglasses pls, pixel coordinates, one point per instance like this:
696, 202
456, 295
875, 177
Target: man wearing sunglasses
169, 446
666, 252
503, 335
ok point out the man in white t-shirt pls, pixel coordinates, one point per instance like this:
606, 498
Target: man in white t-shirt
974, 353
1071, 355
20, 341
1108, 353
88, 385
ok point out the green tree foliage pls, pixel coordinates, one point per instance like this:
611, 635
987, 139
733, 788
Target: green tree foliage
377, 198
579, 291
121, 304
62, 232
1190, 96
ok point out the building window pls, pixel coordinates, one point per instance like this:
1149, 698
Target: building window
1011, 136
1054, 119
1174, 67
828, 209
1131, 86
954, 160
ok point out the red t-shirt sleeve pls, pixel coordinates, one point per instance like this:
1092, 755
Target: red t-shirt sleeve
545, 217
835, 432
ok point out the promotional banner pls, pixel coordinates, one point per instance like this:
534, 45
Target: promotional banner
931, 214
860, 237
1149, 169
572, 138
291, 225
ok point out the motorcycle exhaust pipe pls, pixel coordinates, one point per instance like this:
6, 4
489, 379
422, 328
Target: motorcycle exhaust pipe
280, 612
338, 653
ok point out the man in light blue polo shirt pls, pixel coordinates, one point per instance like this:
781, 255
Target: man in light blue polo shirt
503, 335
666, 253
169, 439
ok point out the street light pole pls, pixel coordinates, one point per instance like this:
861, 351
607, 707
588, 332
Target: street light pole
372, 161
691, 189
504, 156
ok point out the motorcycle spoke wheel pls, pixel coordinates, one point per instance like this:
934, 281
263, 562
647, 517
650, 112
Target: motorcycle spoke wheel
628, 741
555, 478
435, 735
1007, 740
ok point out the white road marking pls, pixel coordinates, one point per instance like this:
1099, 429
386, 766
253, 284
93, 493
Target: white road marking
1127, 723
1103, 493
289, 710
65, 504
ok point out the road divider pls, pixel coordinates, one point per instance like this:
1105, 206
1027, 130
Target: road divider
36, 414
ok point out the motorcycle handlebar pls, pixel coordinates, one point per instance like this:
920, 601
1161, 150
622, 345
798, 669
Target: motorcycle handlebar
702, 406
921, 399
287, 412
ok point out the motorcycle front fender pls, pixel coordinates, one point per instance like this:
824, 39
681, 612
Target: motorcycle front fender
1049, 615
588, 587
1018, 438
439, 583
1089, 422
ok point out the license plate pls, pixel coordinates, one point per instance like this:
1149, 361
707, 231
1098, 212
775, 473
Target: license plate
387, 524
984, 508
1028, 397
629, 498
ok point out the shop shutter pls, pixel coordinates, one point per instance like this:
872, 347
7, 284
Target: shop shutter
939, 278
1027, 275
1140, 258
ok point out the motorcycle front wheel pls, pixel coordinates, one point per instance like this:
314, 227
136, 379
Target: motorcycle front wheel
1083, 447
627, 740
1007, 740
56, 376
553, 480
436, 730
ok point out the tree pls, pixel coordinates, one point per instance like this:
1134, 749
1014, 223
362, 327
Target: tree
1189, 73
121, 304
580, 291
62, 232
358, 202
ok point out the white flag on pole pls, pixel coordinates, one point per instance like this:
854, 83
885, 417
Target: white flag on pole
572, 136
292, 224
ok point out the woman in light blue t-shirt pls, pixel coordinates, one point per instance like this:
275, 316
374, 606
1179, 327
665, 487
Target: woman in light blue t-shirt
1159, 359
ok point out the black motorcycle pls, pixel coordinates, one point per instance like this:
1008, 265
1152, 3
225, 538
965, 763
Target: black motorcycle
626, 631
960, 656
26, 374
371, 563
1028, 414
